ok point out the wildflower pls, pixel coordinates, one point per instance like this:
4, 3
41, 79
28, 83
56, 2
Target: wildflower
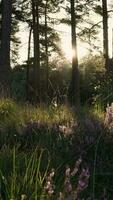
54, 102
23, 197
69, 174
83, 180
49, 187
61, 197
109, 114
69, 192
68, 186
52, 173
76, 168
67, 130
67, 171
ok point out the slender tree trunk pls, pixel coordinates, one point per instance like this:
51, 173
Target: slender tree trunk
5, 46
36, 62
105, 34
46, 48
28, 64
38, 54
75, 91
0, 24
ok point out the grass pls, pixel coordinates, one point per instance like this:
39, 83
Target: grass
33, 140
13, 113
23, 175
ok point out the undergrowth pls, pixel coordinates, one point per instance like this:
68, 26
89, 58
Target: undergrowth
36, 139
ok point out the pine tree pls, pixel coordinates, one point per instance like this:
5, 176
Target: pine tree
45, 39
36, 61
105, 33
5, 46
75, 90
83, 29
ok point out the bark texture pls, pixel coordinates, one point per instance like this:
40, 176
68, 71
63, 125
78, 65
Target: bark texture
36, 62
75, 91
105, 34
5, 47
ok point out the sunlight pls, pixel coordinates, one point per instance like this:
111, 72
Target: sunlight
73, 53
66, 45
82, 51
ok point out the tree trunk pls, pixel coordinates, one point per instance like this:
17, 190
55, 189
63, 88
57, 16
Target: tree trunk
75, 91
0, 23
5, 47
46, 49
105, 34
28, 65
36, 62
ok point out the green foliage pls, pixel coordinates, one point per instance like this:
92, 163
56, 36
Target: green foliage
94, 85
15, 118
91, 74
18, 84
60, 75
24, 175
34, 140
7, 108
87, 29
104, 90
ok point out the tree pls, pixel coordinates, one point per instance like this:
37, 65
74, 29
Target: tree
49, 7
46, 46
28, 65
75, 91
5, 46
14, 39
36, 61
45, 39
85, 30
105, 34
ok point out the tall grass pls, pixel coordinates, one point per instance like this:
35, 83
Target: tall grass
25, 174
15, 114
34, 140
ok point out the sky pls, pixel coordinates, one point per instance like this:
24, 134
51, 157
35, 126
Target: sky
83, 47
65, 35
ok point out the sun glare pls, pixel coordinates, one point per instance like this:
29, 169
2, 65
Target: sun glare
73, 53
82, 47
82, 51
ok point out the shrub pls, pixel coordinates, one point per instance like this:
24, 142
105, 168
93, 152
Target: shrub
7, 108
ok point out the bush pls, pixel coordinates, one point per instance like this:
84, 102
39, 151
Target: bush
7, 108
18, 85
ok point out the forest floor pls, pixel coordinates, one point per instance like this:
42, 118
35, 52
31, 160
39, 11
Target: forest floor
54, 153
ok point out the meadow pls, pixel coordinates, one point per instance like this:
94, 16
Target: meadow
55, 152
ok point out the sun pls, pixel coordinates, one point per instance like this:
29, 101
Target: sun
82, 51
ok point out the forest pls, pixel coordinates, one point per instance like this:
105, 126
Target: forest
56, 100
